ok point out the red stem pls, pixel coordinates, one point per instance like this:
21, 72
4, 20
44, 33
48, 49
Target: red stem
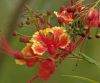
30, 81
5, 46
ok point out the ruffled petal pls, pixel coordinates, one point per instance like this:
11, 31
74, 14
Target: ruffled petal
36, 38
27, 51
65, 15
38, 48
64, 40
58, 31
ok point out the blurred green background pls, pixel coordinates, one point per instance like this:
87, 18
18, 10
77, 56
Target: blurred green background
12, 73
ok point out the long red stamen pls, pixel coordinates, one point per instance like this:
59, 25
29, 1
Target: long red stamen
30, 81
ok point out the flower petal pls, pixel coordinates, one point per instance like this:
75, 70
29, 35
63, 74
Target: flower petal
20, 62
38, 48
27, 51
46, 68
65, 15
36, 38
63, 41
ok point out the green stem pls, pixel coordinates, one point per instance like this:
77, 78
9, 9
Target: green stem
89, 59
96, 3
23, 34
74, 54
97, 31
81, 78
75, 58
79, 2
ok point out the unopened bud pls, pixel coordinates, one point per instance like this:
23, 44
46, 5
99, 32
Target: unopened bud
49, 13
60, 20
28, 22
70, 9
62, 8
42, 20
18, 55
83, 34
97, 35
24, 39
14, 33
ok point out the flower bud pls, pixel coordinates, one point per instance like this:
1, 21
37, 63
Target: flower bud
83, 34
97, 36
42, 20
18, 55
14, 33
49, 13
60, 20
24, 39
62, 8
70, 9
92, 14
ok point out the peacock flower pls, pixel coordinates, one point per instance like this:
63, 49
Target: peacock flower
67, 17
49, 40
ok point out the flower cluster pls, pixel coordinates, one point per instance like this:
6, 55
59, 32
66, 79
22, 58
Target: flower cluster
51, 43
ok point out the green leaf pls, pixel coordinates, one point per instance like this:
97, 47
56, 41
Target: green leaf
91, 60
81, 78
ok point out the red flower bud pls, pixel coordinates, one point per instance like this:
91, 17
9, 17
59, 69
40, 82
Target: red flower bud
70, 9
93, 14
49, 13
14, 33
90, 16
83, 34
42, 20
60, 20
24, 39
31, 62
62, 8
18, 55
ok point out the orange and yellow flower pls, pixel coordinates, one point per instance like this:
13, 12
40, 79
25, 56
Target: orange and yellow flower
49, 40
67, 17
